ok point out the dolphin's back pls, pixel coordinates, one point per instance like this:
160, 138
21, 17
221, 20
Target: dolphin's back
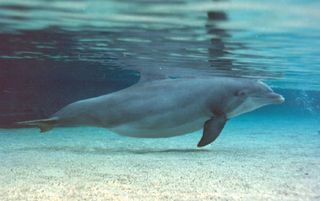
158, 100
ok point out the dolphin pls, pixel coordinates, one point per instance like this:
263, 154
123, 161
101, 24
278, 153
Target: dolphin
166, 108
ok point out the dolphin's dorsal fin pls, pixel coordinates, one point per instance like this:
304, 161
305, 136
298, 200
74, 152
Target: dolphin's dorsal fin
211, 130
43, 124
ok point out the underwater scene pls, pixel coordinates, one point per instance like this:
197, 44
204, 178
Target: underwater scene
159, 100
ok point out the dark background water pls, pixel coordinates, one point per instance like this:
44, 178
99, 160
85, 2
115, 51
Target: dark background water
56, 52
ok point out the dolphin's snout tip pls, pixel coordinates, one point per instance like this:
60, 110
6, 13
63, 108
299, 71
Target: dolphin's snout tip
276, 98
281, 99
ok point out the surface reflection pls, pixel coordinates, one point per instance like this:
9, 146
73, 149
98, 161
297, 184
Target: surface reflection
218, 51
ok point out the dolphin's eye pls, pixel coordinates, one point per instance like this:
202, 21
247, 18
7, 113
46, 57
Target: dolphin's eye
240, 93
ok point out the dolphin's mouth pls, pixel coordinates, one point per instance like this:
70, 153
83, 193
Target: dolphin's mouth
269, 98
275, 98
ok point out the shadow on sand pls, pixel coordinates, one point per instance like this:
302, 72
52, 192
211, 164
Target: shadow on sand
106, 151
226, 151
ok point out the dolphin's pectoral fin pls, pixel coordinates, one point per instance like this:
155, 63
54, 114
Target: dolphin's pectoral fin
43, 124
211, 130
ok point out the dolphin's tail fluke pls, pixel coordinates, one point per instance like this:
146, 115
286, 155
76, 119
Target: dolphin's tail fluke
43, 124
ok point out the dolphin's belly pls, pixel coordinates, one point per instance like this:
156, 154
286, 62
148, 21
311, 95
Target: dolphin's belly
164, 124
143, 130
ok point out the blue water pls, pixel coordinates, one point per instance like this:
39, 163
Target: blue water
53, 53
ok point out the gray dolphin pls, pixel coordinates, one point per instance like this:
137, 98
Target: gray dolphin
165, 108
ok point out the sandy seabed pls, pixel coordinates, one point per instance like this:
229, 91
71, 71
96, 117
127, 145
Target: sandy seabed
252, 160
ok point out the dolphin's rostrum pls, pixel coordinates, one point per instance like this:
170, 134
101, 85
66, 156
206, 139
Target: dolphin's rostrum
165, 108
